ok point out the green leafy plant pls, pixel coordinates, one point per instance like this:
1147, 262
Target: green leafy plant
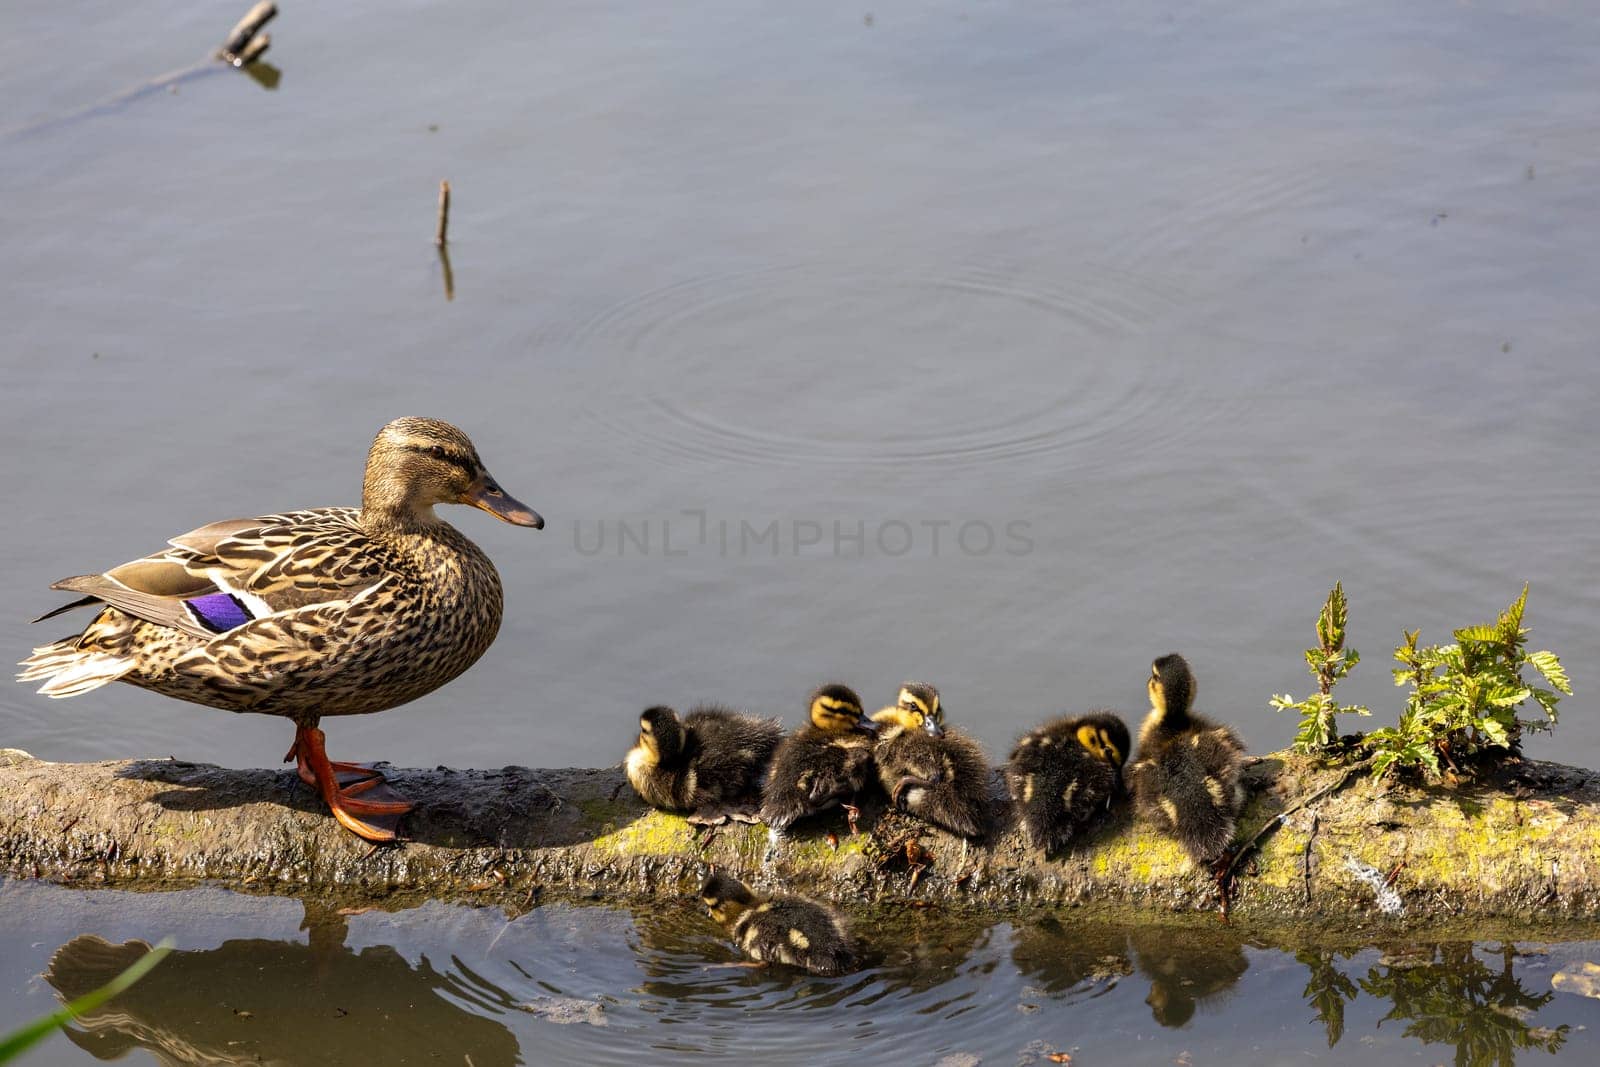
1464, 697
19, 1041
1328, 662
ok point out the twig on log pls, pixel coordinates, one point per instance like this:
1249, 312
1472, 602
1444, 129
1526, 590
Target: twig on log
440, 234
1279, 819
1306, 858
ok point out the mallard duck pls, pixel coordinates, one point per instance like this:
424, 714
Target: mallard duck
791, 930
306, 614
1065, 775
939, 776
1186, 778
710, 762
822, 765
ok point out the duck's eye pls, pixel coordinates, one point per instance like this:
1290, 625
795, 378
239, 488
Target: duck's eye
438, 452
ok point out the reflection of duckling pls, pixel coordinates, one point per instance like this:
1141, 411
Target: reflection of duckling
712, 758
1187, 969
792, 930
822, 765
1186, 779
939, 776
1065, 775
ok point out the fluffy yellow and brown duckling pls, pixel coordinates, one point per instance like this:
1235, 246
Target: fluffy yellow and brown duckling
306, 614
1186, 779
710, 762
790, 930
824, 764
939, 776
1065, 775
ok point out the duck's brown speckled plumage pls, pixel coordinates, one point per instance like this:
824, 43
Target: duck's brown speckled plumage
361, 624
358, 609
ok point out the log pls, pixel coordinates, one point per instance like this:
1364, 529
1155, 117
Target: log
1525, 845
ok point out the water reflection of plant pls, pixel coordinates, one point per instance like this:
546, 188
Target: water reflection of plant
1452, 997
1327, 990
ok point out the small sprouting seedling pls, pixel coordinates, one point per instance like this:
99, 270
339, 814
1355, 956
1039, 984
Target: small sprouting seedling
1464, 697
1328, 662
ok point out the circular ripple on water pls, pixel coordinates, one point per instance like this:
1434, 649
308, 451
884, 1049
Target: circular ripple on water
821, 365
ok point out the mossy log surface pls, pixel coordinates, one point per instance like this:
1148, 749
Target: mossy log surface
1523, 846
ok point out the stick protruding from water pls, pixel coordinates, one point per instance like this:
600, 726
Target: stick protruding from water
240, 47
440, 235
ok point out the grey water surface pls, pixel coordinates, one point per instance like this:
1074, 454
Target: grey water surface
1005, 345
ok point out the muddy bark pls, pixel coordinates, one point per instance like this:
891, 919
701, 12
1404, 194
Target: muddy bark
1524, 846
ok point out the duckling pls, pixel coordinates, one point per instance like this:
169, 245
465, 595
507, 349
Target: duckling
1065, 776
822, 765
1186, 779
940, 776
792, 930
709, 763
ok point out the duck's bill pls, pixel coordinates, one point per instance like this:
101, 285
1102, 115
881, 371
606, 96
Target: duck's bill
497, 502
867, 724
931, 726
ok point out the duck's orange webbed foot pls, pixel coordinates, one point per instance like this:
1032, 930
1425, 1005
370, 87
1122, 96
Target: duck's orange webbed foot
354, 772
342, 798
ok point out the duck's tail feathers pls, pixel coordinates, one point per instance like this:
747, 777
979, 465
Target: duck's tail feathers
69, 670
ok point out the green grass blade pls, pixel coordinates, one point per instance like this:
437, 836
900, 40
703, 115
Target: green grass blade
17, 1042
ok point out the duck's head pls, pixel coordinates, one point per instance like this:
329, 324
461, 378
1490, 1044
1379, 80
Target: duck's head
917, 707
417, 463
1104, 736
1171, 687
836, 709
725, 897
661, 734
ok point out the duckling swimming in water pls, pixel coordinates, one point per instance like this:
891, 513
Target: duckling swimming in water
791, 930
710, 762
1186, 779
1065, 776
940, 776
824, 764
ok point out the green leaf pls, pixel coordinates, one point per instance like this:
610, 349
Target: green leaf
1548, 701
1331, 622
19, 1041
1495, 732
1482, 634
1511, 619
1548, 665
1507, 698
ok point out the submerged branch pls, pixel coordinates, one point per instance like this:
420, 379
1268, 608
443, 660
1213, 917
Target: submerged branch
1525, 846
